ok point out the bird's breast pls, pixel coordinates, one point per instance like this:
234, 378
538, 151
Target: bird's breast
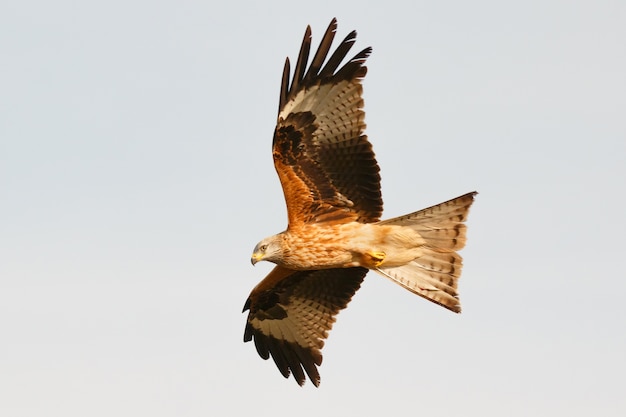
329, 246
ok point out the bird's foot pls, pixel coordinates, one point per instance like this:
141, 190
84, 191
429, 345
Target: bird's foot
375, 259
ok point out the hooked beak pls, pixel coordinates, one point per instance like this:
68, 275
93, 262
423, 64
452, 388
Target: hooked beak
256, 257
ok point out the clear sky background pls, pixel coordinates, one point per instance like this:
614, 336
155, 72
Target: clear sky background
136, 177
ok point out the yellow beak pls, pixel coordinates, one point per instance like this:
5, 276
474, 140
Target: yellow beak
256, 257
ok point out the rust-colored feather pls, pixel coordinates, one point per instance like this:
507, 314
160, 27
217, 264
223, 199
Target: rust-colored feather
325, 163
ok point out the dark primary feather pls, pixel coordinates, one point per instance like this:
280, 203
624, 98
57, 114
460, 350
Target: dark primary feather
325, 162
353, 69
301, 305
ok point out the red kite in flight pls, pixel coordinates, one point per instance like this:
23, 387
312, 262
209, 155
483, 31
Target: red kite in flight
331, 183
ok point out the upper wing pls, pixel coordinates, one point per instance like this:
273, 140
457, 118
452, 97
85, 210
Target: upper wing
325, 163
291, 313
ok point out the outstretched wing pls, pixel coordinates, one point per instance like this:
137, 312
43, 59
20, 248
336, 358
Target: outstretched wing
325, 163
291, 313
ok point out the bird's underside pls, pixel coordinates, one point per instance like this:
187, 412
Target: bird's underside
331, 183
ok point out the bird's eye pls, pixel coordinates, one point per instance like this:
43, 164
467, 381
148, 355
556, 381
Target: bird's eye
263, 248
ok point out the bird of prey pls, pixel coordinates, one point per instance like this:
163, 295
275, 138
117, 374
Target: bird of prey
331, 183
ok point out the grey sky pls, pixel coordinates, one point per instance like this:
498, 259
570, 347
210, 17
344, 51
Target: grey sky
136, 177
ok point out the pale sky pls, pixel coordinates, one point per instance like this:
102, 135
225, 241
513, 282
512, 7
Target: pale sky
136, 177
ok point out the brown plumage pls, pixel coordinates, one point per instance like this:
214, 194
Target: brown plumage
331, 184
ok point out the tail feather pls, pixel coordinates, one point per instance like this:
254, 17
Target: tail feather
434, 274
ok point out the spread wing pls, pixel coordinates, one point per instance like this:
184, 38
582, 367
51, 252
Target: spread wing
325, 163
291, 313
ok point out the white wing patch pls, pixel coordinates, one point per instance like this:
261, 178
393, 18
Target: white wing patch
337, 109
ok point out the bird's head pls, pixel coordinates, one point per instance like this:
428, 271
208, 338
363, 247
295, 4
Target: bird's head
269, 249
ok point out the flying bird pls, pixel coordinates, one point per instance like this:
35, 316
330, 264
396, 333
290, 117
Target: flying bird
331, 183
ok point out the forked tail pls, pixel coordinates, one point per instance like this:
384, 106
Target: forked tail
434, 275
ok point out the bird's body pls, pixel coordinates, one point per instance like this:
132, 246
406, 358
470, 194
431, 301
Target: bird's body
331, 183
347, 245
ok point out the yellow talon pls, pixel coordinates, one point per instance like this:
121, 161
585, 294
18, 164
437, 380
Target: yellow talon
376, 258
